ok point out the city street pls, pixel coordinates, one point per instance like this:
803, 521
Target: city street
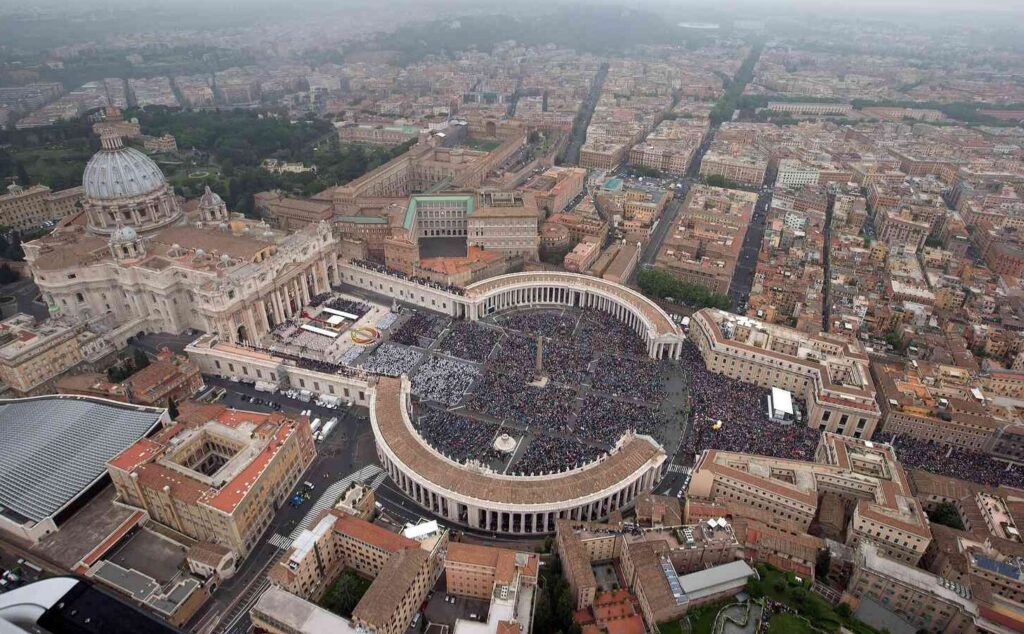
743, 276
571, 154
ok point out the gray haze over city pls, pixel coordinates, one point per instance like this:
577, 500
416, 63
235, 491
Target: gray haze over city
536, 317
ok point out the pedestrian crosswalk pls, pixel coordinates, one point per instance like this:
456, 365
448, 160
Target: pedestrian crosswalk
370, 473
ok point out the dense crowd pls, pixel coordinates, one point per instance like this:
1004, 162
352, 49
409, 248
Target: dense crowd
742, 410
955, 463
421, 329
469, 340
546, 454
348, 306
422, 281
600, 333
392, 360
629, 377
548, 323
457, 437
548, 409
602, 421
599, 379
443, 380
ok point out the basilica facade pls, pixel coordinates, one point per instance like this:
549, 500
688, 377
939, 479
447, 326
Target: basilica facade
136, 254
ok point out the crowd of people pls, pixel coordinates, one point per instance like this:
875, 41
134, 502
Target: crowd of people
422, 281
469, 340
602, 421
392, 360
420, 329
730, 415
629, 377
349, 306
547, 323
443, 380
457, 437
601, 384
955, 463
548, 409
547, 454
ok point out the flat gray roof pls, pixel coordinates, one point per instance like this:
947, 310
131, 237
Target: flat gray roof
54, 447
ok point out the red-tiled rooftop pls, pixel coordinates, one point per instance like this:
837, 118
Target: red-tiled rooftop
235, 491
142, 451
370, 533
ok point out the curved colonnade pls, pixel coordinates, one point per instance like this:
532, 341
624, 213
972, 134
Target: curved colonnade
510, 505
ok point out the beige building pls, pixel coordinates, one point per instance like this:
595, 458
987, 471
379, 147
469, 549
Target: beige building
554, 189
472, 570
219, 475
934, 404
927, 601
669, 157
403, 571
507, 222
743, 169
785, 493
506, 579
24, 209
602, 155
33, 354
134, 256
349, 132
831, 375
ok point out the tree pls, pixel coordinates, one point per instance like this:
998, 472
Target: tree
661, 284
947, 515
823, 564
172, 409
7, 274
140, 359
563, 609
543, 617
844, 611
894, 339
22, 175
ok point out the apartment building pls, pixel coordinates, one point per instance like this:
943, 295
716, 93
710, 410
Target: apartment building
785, 494
218, 476
670, 158
555, 188
796, 173
27, 208
704, 242
746, 168
901, 229
506, 222
927, 601
934, 403
830, 374
602, 155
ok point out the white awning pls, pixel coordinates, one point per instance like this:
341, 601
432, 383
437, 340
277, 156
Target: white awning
782, 401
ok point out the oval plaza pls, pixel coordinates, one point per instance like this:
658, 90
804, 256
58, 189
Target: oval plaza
523, 504
469, 494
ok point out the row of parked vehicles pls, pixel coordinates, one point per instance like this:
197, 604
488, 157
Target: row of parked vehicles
320, 429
